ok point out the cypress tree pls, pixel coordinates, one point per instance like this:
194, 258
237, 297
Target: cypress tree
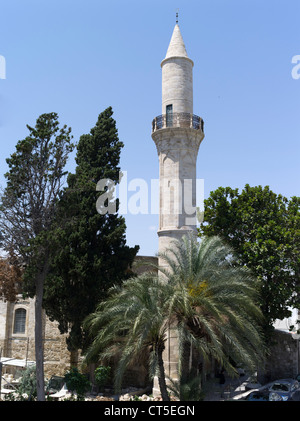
89, 249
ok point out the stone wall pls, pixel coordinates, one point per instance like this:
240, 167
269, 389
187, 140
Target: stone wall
22, 346
284, 359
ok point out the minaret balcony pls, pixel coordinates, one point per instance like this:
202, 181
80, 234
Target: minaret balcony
182, 120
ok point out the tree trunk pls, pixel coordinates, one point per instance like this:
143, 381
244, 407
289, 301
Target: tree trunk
185, 363
39, 346
39, 340
162, 377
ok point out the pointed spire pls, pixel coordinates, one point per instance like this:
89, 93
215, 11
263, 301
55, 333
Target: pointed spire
176, 46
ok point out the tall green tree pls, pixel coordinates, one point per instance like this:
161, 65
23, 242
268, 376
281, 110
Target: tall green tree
28, 208
263, 228
89, 252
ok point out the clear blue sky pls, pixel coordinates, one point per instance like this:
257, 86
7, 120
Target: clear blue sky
78, 57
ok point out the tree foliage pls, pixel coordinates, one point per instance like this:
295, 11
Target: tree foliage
263, 228
34, 180
203, 295
131, 321
214, 303
89, 252
102, 375
27, 388
77, 382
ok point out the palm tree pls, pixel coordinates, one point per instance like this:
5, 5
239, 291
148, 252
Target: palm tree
203, 293
132, 320
214, 302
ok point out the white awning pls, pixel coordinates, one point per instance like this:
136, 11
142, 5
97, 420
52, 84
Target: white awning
16, 362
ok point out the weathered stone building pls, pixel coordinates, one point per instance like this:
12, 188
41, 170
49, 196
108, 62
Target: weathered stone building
284, 358
17, 338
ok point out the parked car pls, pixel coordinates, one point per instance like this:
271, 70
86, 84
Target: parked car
263, 395
283, 387
278, 390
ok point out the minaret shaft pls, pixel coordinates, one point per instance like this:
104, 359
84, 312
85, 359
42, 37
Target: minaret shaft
177, 85
177, 134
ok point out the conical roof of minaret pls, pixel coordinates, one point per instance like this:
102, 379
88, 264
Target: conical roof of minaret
176, 46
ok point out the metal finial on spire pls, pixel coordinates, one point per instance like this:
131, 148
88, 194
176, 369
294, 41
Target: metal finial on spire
177, 16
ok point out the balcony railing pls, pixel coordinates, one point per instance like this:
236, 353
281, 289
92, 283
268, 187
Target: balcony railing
184, 120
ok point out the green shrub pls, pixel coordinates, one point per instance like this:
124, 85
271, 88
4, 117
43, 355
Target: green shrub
27, 387
77, 382
102, 375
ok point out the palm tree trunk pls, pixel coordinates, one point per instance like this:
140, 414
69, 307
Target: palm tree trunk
161, 376
185, 363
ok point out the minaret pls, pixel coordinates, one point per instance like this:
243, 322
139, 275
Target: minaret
177, 134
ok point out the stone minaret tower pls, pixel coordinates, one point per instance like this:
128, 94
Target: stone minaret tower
177, 134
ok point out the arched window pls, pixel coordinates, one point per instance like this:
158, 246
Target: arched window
20, 320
